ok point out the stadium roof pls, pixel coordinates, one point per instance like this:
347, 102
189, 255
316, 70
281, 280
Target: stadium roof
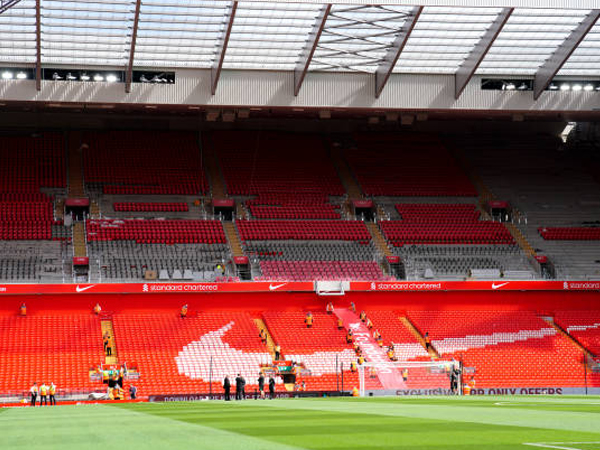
274, 35
539, 39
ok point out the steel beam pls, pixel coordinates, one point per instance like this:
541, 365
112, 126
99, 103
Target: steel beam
309, 48
467, 69
215, 71
38, 45
548, 70
129, 70
383, 72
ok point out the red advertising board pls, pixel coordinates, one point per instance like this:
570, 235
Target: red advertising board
295, 286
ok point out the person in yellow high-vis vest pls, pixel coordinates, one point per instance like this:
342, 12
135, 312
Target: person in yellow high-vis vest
52, 393
43, 394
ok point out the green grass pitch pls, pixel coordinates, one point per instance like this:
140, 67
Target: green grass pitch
437, 423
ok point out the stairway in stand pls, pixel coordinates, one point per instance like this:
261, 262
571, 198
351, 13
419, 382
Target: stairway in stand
212, 167
233, 239
378, 239
261, 325
79, 245
107, 327
390, 378
352, 188
408, 324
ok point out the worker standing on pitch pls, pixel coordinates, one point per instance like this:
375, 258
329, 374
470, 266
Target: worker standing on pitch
34, 393
43, 394
52, 394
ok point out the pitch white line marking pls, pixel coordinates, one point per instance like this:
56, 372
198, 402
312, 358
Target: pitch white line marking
559, 445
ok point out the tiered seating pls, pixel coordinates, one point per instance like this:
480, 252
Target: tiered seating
437, 212
319, 348
144, 162
583, 326
507, 349
157, 231
28, 164
570, 233
321, 270
406, 345
328, 230
406, 165
324, 211
257, 163
174, 354
129, 260
400, 233
310, 250
49, 346
151, 207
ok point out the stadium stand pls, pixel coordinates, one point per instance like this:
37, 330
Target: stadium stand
406, 165
49, 346
510, 349
174, 355
318, 348
546, 188
32, 170
259, 163
406, 345
150, 206
321, 270
584, 326
147, 167
174, 249
570, 233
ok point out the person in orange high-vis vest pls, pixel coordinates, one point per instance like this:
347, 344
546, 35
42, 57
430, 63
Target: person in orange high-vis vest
23, 310
353, 367
308, 320
349, 337
468, 388
340, 324
52, 394
43, 394
97, 309
184, 311
329, 308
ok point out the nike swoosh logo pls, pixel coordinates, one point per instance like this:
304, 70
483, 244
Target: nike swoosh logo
498, 286
273, 287
85, 288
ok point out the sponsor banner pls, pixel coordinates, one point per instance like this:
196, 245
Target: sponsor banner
221, 396
155, 288
542, 285
500, 391
296, 286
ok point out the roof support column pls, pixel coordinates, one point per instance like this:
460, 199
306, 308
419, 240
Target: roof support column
129, 73
309, 48
215, 71
467, 69
383, 72
548, 70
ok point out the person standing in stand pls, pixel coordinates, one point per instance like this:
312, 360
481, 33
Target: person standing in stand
132, 392
227, 388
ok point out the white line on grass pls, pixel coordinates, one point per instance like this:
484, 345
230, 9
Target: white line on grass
559, 445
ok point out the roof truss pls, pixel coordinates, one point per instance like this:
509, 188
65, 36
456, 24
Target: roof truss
215, 72
550, 68
309, 49
471, 63
384, 70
